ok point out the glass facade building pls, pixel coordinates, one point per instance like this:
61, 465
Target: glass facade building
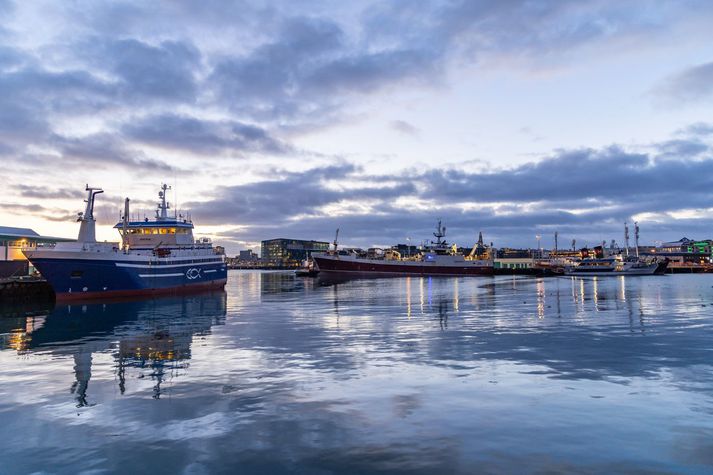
290, 252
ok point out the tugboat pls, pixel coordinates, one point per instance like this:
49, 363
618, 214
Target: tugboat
307, 270
440, 258
154, 257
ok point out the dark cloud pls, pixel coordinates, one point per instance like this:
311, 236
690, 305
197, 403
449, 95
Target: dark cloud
9, 57
181, 132
49, 214
43, 192
583, 193
107, 150
292, 194
309, 68
156, 72
609, 174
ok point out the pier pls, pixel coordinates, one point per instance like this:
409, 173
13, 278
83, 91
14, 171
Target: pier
24, 289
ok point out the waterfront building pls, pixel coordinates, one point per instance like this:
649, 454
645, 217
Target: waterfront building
684, 252
289, 252
685, 245
514, 258
12, 242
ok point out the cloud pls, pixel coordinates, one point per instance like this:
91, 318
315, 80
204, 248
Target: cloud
309, 69
49, 214
180, 132
404, 127
106, 149
27, 191
690, 85
585, 193
156, 72
293, 193
698, 129
106, 85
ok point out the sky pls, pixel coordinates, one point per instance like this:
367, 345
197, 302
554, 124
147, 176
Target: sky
293, 118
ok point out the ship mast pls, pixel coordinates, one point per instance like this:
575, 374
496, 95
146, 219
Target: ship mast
125, 226
626, 237
636, 237
163, 206
440, 233
87, 228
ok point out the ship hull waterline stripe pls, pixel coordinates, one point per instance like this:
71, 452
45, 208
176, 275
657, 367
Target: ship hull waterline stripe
179, 274
164, 266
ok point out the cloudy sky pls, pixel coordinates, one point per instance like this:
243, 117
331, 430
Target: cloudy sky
290, 119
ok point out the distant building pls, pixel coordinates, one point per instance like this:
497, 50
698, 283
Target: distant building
684, 251
406, 249
289, 252
247, 256
685, 245
12, 243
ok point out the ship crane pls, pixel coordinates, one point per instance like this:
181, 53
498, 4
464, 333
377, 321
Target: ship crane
336, 242
478, 245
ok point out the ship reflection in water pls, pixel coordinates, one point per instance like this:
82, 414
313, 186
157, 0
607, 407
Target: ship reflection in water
152, 336
407, 375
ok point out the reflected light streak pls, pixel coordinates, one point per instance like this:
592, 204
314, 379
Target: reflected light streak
622, 288
540, 298
408, 297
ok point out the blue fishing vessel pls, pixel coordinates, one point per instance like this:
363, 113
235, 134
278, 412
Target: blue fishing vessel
154, 257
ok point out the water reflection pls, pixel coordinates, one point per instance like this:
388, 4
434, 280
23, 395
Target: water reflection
153, 335
413, 375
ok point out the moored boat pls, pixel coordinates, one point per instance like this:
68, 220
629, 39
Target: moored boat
153, 257
439, 258
616, 265
308, 269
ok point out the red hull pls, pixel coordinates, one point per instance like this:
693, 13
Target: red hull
375, 267
184, 289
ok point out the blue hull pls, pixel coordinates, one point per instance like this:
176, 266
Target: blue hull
89, 278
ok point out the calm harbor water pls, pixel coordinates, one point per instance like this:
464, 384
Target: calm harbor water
445, 375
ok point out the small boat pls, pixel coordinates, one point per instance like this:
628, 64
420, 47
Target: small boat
616, 265
307, 270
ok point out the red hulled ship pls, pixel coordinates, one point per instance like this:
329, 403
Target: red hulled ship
438, 258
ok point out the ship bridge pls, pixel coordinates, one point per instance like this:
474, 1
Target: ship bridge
164, 231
